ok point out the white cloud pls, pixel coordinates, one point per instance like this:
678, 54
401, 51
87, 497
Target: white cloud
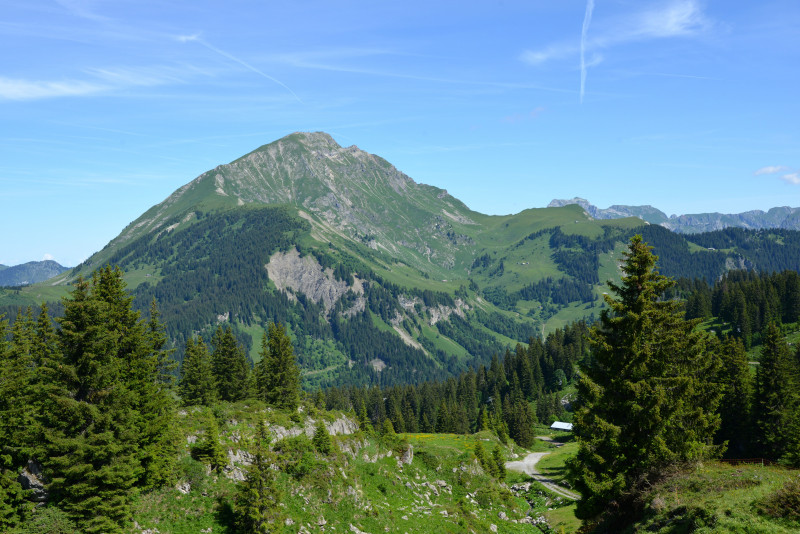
11, 89
792, 178
537, 57
771, 169
47, 257
677, 18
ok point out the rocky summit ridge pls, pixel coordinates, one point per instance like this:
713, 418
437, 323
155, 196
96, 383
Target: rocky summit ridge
783, 217
342, 191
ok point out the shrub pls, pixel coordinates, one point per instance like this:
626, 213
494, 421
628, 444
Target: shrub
783, 503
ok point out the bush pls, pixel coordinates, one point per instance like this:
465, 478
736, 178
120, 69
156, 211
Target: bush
50, 520
783, 503
194, 473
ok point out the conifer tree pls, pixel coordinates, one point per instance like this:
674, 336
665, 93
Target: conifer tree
106, 414
278, 374
258, 498
499, 462
13, 506
777, 400
196, 385
735, 408
648, 397
210, 450
322, 439
229, 364
90, 448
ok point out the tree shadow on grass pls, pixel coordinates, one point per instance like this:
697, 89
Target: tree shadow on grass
225, 516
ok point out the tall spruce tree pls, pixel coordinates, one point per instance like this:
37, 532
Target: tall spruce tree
735, 408
106, 413
196, 385
777, 399
14, 381
229, 365
278, 377
648, 397
258, 498
90, 450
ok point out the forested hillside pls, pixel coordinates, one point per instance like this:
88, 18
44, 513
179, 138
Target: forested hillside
378, 279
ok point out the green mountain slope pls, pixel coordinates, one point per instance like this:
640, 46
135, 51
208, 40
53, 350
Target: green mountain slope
29, 273
378, 279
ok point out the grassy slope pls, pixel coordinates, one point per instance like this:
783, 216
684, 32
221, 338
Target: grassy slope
717, 497
442, 490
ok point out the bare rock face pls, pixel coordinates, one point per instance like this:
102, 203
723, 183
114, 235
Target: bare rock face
342, 426
31, 479
288, 271
408, 455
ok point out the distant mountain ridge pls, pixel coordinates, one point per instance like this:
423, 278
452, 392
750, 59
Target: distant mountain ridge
378, 278
783, 217
29, 273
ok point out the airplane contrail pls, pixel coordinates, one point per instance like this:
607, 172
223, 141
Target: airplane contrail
586, 20
197, 39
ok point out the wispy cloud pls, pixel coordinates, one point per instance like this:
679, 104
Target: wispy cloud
556, 51
672, 19
771, 169
47, 257
197, 39
82, 9
792, 178
11, 89
99, 80
317, 61
587, 19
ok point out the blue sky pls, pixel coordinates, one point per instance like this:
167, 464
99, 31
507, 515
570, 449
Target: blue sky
106, 107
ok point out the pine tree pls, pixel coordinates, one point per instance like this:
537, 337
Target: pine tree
735, 407
106, 414
278, 375
648, 398
157, 432
322, 439
210, 450
777, 398
90, 442
258, 498
14, 509
229, 365
499, 462
196, 385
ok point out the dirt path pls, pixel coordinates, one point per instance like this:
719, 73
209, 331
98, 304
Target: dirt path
528, 466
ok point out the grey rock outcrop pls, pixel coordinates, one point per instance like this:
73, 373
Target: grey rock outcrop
31, 479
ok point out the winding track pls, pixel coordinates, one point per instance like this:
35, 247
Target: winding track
528, 466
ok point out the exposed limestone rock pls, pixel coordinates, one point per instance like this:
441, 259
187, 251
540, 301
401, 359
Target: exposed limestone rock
183, 487
235, 474
442, 313
343, 426
289, 272
377, 364
408, 455
239, 457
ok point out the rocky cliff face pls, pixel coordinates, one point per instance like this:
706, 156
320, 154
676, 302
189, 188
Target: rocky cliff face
293, 274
